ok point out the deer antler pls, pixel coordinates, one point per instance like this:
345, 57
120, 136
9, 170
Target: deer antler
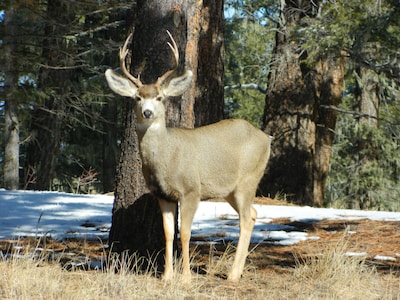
122, 55
175, 51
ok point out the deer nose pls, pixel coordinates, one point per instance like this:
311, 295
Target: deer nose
147, 113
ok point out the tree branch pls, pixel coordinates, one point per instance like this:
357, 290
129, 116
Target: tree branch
350, 112
357, 114
251, 86
98, 28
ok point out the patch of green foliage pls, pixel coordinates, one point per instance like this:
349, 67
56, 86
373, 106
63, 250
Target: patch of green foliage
365, 164
248, 45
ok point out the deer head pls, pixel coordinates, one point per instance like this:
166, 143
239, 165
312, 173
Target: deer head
149, 97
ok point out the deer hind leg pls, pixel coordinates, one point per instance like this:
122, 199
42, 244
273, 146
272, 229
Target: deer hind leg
188, 207
241, 202
168, 210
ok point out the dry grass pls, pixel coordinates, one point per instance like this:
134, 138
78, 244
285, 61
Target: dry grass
328, 275
333, 275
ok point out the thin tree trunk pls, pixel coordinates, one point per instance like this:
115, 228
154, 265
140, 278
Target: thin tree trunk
11, 122
367, 99
368, 95
329, 92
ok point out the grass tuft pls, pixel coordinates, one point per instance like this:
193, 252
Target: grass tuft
334, 275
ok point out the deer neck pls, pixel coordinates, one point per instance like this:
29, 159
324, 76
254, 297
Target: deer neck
152, 133
152, 143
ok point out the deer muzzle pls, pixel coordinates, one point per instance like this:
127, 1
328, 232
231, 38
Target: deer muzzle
147, 114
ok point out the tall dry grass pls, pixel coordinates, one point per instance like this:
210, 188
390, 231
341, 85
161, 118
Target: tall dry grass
330, 275
334, 275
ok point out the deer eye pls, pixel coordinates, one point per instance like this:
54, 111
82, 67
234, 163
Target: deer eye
137, 98
159, 98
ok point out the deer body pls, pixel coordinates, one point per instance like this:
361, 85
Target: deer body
212, 161
222, 160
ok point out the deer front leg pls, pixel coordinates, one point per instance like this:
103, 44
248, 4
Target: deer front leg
188, 209
168, 210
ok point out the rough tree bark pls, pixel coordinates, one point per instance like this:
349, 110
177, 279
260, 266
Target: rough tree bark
11, 122
136, 222
367, 93
209, 105
296, 116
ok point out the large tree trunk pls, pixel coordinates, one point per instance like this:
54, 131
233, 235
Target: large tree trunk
11, 122
296, 115
136, 221
209, 105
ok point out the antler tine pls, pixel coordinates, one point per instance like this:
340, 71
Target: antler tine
175, 51
122, 55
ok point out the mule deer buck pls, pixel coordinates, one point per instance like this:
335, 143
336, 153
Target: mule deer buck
223, 160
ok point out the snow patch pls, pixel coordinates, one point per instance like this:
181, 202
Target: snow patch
62, 215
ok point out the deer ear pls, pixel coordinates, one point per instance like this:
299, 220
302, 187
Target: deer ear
121, 85
178, 85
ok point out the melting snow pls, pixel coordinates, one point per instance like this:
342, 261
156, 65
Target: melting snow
61, 215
